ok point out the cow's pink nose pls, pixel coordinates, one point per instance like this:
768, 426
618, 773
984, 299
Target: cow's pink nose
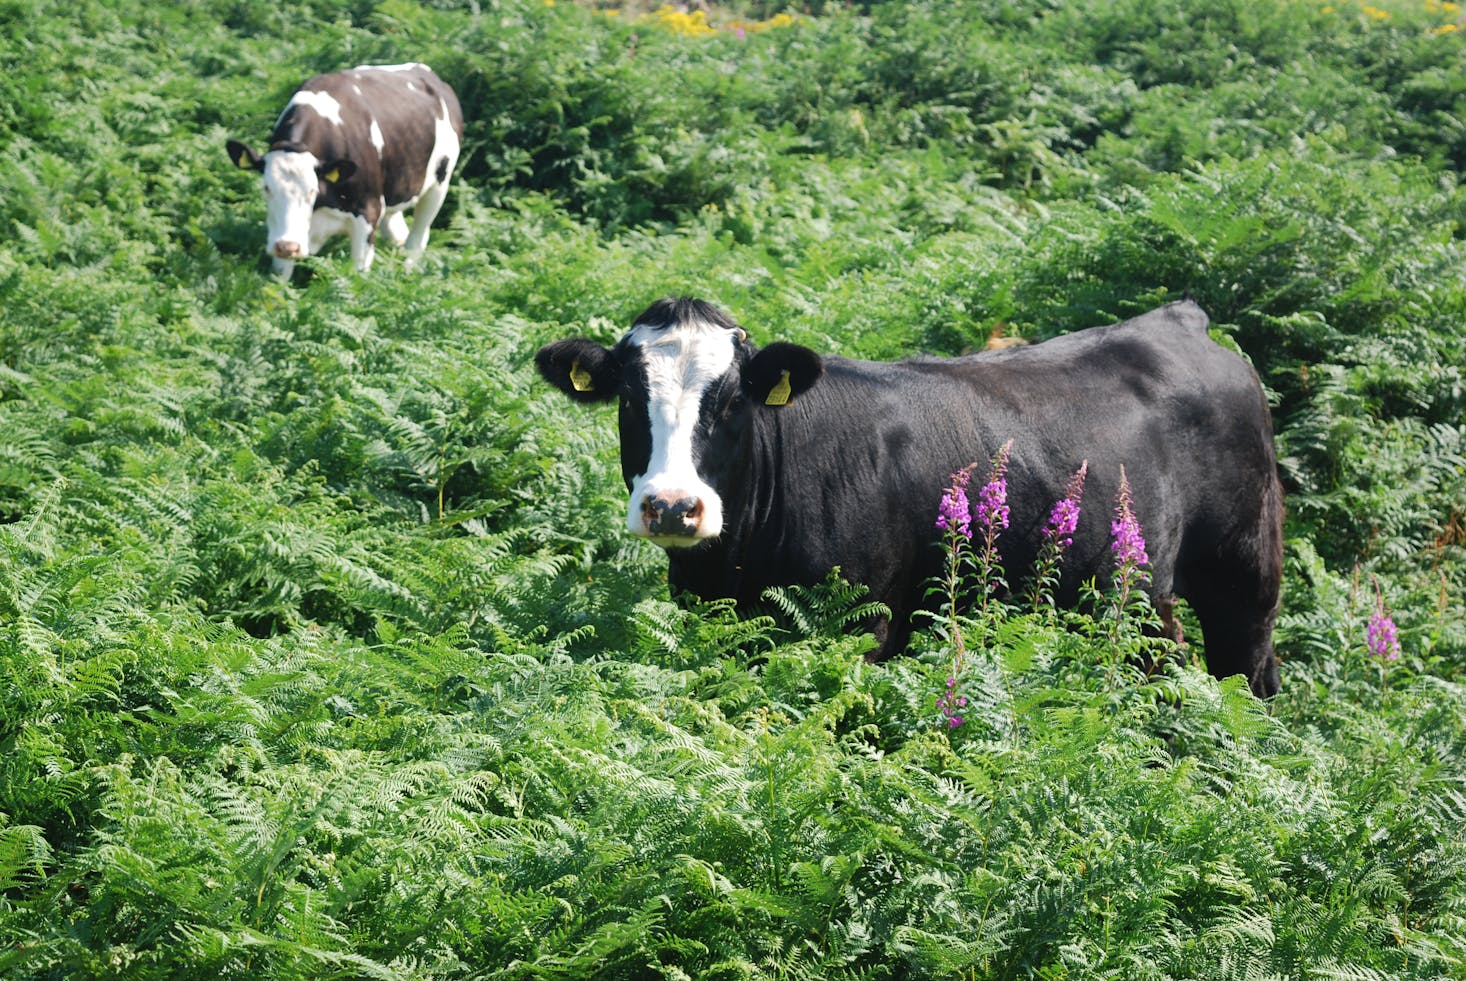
671, 514
285, 249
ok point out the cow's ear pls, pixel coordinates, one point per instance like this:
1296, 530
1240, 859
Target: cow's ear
244, 158
582, 369
336, 171
780, 372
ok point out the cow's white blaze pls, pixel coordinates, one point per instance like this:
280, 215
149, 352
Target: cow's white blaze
681, 362
323, 103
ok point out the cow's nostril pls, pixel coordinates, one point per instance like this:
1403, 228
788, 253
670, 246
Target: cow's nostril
664, 515
286, 249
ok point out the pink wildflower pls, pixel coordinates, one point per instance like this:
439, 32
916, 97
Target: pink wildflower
1381, 636
1058, 534
1128, 546
949, 702
992, 501
1127, 542
1064, 518
954, 514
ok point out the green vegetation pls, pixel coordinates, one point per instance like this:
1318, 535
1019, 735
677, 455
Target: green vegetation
322, 653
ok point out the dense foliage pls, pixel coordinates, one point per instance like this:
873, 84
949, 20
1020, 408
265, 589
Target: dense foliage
322, 653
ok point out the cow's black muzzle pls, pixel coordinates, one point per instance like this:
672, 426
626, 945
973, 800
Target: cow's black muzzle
678, 517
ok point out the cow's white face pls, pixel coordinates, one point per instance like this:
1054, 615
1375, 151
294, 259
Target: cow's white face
681, 365
291, 185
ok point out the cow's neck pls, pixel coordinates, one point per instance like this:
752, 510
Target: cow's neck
752, 528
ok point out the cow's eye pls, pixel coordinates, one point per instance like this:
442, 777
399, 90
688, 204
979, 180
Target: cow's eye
725, 408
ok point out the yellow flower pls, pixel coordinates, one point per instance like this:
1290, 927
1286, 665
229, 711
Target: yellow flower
695, 24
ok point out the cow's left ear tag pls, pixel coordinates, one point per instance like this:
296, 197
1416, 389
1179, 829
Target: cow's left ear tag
779, 394
580, 378
332, 176
243, 163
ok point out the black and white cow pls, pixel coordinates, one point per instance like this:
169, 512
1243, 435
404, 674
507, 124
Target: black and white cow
760, 467
350, 152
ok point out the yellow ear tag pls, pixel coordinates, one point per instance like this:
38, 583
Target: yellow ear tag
779, 394
332, 176
243, 163
580, 378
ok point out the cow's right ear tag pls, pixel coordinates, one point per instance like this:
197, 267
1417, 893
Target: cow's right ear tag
332, 176
580, 378
243, 163
779, 394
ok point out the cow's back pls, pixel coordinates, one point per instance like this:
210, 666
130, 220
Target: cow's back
850, 473
396, 105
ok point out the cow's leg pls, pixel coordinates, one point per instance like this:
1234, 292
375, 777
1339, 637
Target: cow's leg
1165, 607
1237, 630
887, 635
326, 223
363, 243
395, 225
1234, 584
1170, 628
422, 220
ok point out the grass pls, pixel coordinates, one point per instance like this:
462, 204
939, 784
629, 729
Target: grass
323, 653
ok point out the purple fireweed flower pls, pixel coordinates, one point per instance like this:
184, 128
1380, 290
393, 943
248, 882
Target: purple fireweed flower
992, 504
954, 514
992, 501
1381, 636
948, 702
1128, 546
1064, 517
1058, 534
1127, 543
1384, 638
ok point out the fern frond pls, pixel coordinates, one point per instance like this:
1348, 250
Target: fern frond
825, 609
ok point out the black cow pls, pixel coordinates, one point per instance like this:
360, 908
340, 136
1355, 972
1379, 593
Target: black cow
350, 152
769, 467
